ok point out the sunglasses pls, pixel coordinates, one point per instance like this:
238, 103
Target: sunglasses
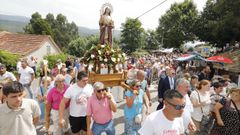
101, 90
177, 107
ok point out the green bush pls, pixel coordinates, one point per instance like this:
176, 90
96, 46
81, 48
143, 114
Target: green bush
8, 59
52, 59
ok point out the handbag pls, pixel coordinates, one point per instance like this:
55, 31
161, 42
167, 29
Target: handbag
206, 123
138, 118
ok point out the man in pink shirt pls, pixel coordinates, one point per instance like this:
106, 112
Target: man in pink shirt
54, 98
100, 107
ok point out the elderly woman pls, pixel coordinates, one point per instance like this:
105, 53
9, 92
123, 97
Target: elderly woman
133, 108
227, 113
54, 98
100, 104
201, 102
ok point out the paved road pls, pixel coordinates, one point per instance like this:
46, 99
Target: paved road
118, 116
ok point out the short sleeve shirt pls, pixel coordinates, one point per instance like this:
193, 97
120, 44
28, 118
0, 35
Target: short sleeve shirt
136, 108
54, 97
99, 108
19, 122
25, 75
157, 124
78, 99
7, 75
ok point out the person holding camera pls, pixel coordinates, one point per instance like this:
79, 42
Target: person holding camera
133, 108
100, 104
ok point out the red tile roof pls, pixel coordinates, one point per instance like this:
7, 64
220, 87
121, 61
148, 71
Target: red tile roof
22, 44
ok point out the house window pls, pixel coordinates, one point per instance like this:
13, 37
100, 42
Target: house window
48, 49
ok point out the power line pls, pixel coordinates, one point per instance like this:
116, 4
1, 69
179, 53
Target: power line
151, 9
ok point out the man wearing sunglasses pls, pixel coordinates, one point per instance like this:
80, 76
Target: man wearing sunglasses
100, 104
167, 121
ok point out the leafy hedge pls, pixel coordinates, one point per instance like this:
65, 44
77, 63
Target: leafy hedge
52, 59
9, 59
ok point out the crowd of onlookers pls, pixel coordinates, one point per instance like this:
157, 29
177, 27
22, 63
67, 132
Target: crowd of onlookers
187, 98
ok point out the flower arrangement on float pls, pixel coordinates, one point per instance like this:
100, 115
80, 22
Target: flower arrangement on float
104, 54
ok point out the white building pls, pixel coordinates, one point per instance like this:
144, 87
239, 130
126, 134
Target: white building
27, 45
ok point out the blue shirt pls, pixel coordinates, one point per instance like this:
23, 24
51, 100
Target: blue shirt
136, 108
144, 85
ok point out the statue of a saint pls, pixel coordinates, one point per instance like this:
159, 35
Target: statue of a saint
106, 25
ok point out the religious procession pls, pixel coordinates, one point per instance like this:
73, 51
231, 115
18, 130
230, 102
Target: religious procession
102, 89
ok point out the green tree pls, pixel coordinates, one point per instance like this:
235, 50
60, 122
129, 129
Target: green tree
152, 41
132, 35
38, 25
91, 41
77, 47
219, 22
59, 28
177, 25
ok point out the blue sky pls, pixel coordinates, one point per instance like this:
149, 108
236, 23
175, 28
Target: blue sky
87, 12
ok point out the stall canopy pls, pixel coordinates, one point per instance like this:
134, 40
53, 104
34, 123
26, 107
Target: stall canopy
189, 57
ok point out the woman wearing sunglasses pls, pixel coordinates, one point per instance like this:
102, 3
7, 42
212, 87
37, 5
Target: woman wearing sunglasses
133, 108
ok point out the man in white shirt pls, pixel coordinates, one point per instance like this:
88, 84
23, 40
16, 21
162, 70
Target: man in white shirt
18, 116
4, 74
78, 95
183, 86
167, 121
33, 64
26, 76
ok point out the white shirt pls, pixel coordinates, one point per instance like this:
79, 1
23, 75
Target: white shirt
78, 99
197, 112
187, 112
171, 82
32, 63
19, 122
25, 75
157, 124
8, 75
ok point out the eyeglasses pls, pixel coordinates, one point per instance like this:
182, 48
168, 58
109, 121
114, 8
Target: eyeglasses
177, 107
101, 90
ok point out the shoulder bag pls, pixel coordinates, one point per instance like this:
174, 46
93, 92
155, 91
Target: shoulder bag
206, 123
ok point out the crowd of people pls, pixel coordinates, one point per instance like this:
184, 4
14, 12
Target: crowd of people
191, 101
